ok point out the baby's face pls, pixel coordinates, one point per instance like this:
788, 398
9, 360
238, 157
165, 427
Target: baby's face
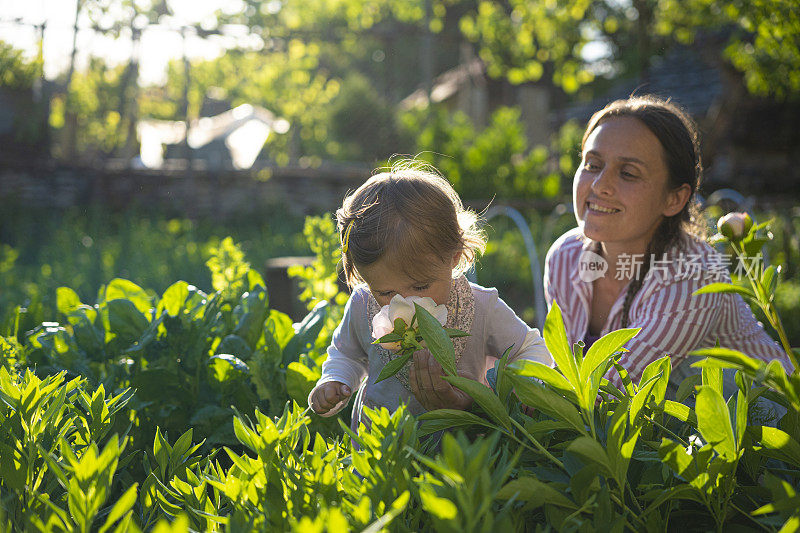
385, 279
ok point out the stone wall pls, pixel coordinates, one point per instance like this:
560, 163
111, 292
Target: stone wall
196, 193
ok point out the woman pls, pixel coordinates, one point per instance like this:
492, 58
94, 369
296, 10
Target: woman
636, 257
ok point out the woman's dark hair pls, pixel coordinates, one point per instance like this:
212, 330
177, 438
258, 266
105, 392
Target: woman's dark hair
677, 133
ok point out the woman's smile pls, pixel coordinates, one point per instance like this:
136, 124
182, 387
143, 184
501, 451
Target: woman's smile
600, 209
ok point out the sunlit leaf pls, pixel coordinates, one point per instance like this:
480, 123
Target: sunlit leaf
714, 423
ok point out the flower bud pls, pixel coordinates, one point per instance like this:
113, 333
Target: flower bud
735, 226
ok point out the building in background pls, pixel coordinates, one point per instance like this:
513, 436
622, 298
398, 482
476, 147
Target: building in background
230, 140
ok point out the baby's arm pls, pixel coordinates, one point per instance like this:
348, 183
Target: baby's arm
505, 328
345, 367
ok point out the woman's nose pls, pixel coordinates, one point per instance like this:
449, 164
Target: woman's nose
603, 182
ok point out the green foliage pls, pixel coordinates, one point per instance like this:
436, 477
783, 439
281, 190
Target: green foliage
362, 125
83, 250
229, 270
52, 475
319, 280
524, 41
93, 102
495, 162
587, 457
15, 71
763, 42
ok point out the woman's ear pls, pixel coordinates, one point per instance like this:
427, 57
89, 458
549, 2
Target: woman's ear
676, 200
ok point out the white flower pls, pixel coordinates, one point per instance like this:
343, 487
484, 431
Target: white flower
403, 308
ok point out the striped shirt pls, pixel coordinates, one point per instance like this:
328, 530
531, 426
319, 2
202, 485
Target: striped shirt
673, 321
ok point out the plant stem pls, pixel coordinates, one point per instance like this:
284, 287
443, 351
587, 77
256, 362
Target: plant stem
767, 307
626, 509
633, 497
778, 325
667, 430
536, 443
745, 513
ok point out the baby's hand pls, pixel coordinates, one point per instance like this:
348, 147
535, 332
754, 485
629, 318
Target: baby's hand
328, 395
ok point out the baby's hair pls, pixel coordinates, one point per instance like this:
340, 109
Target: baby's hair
407, 214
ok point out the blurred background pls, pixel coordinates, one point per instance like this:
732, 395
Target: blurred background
135, 135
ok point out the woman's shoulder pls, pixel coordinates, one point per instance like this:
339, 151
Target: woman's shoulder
694, 251
690, 263
568, 246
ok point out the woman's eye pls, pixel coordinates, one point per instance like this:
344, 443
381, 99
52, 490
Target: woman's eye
421, 287
591, 166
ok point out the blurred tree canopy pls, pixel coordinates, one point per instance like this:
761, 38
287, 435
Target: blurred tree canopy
337, 69
16, 72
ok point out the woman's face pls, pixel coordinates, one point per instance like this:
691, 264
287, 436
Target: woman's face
621, 189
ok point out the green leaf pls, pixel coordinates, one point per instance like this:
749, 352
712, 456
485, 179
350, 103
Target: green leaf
742, 404
640, 398
555, 337
591, 452
252, 311
535, 492
67, 300
397, 507
679, 492
662, 366
503, 384
307, 333
227, 368
776, 443
735, 357
235, 345
725, 288
602, 350
769, 279
621, 442
393, 367
122, 506
125, 319
681, 412
441, 508
279, 325
439, 344
549, 375
753, 245
449, 418
180, 448
453, 332
127, 290
174, 298
786, 504
674, 455
483, 396
714, 423
389, 337
687, 386
299, 381
712, 377
627, 383
548, 402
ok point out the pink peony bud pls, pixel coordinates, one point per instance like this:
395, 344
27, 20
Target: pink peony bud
735, 226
